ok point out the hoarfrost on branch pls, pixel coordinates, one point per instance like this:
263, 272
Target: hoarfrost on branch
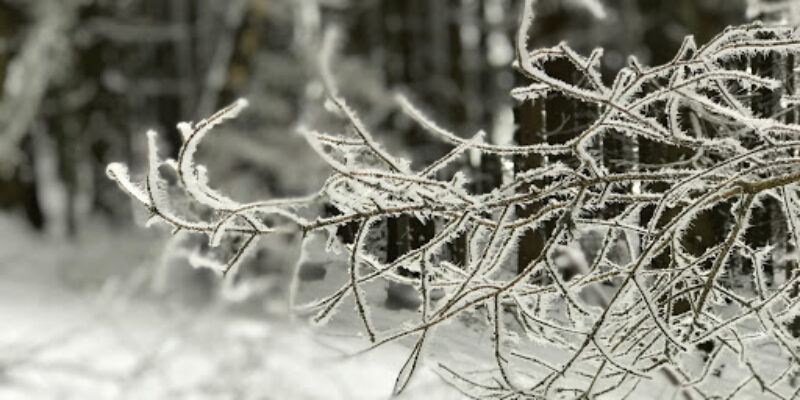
642, 303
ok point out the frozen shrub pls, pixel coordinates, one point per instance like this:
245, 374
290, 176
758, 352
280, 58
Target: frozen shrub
645, 302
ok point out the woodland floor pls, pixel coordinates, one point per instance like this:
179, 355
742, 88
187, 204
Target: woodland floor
66, 335
77, 323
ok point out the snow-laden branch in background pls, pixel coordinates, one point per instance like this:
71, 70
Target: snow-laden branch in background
785, 12
641, 301
44, 52
594, 7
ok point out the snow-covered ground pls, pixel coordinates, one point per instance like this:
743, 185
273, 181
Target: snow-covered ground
76, 325
77, 321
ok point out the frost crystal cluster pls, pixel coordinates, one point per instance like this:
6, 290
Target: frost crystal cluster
649, 299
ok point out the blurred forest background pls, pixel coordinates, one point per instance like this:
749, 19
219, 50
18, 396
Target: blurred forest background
82, 80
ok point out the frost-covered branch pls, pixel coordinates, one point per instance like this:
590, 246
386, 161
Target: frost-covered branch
645, 299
